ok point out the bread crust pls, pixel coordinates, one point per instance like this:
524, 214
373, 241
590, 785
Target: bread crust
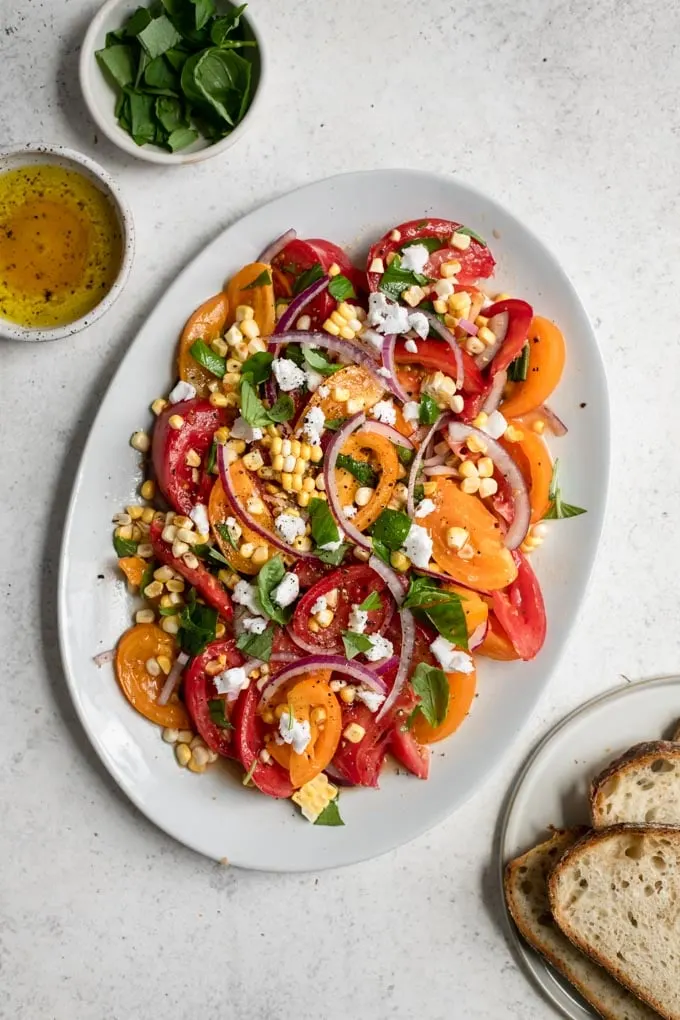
638, 756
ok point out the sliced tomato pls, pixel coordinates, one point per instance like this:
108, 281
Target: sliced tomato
140, 643
220, 509
477, 262
438, 356
532, 456
547, 354
207, 323
309, 572
519, 320
313, 692
199, 690
353, 585
461, 693
413, 756
496, 643
171, 446
249, 731
385, 457
300, 255
521, 611
205, 583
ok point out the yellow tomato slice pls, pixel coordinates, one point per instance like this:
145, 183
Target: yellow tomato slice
546, 363
388, 467
306, 696
207, 323
219, 509
461, 695
261, 298
532, 456
356, 382
140, 643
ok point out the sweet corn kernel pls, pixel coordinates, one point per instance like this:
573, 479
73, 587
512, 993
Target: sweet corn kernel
473, 345
334, 269
513, 435
413, 295
470, 485
163, 574
219, 346
538, 426
183, 754
390, 257
354, 733
229, 578
377, 266
250, 329
304, 322
316, 454
179, 548
348, 695
243, 313
140, 441
147, 491
399, 561
153, 668
481, 420
347, 333
364, 495
485, 467
308, 485
459, 301
165, 663
467, 552
488, 487
460, 241
276, 446
476, 444
331, 327
481, 320
456, 403
429, 488
220, 629
324, 617
487, 336
337, 318
145, 616
246, 550
296, 483
231, 379
439, 306
300, 466
170, 624
361, 554
456, 538
287, 482
355, 404
260, 555
233, 336
346, 310
159, 405
153, 590
193, 458
176, 421
148, 514
278, 461
237, 445
318, 715
315, 796
185, 737
468, 469
218, 399
303, 498
449, 269
313, 626
145, 550
289, 463
124, 532
170, 735
341, 394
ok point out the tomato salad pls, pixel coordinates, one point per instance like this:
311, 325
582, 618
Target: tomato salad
342, 495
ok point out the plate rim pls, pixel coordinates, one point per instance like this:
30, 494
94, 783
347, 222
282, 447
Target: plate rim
598, 517
540, 974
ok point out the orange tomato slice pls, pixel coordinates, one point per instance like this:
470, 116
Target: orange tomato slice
532, 456
462, 688
388, 462
138, 644
475, 608
207, 323
497, 644
492, 565
546, 363
133, 567
356, 381
261, 298
219, 508
311, 693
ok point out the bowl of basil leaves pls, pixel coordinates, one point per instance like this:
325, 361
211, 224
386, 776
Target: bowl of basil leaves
175, 82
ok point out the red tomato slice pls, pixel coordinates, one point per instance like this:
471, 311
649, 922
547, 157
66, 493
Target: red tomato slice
309, 572
412, 755
205, 583
170, 447
438, 356
199, 689
520, 610
477, 262
354, 584
249, 731
520, 314
299, 256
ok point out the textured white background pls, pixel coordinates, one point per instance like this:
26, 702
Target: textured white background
566, 111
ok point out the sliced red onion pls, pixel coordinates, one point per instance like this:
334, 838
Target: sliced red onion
277, 246
334, 663
386, 666
389, 364
302, 643
417, 461
396, 583
172, 679
498, 325
336, 777
459, 432
438, 326
493, 397
381, 428
555, 424
468, 327
104, 657
298, 305
330, 460
283, 657
478, 635
441, 471
438, 458
349, 352
269, 537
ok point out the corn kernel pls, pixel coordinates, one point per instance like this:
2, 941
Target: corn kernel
220, 629
377, 266
413, 295
165, 663
140, 441
487, 336
296, 483
538, 426
219, 346
147, 514
481, 420
313, 626
153, 590
145, 550
153, 668
253, 460
467, 552
260, 555
185, 737
243, 313
277, 445
485, 467
364, 495
324, 617
163, 574
218, 399
250, 329
473, 345
399, 561
303, 498
488, 487
470, 485
439, 306
145, 616
183, 754
287, 481
334, 269
513, 435
246, 550
460, 241
304, 322
449, 269
179, 548
354, 733
237, 445
233, 336
468, 469
355, 404
316, 454
340, 394
308, 485
347, 333
300, 466
476, 444
170, 624
176, 421
159, 405
481, 320
456, 403
348, 695
331, 327
337, 318
429, 488
456, 538
169, 735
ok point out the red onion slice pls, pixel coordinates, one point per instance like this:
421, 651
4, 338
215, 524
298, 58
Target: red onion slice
334, 663
248, 519
104, 657
172, 679
330, 460
381, 428
516, 533
396, 584
298, 305
348, 351
277, 246
499, 325
283, 657
494, 395
438, 326
478, 635
468, 327
417, 461
555, 424
389, 364
441, 471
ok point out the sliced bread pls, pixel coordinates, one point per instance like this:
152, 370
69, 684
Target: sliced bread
616, 895
643, 785
526, 894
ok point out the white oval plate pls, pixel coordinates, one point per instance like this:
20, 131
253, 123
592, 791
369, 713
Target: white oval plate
213, 813
552, 789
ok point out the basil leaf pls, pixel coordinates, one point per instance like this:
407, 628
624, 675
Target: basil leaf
333, 557
359, 469
443, 609
471, 233
260, 281
204, 12
330, 814
257, 646
167, 610
371, 602
206, 551
170, 114
418, 493
319, 362
429, 412
218, 715
431, 243
518, 369
355, 643
558, 510
197, 624
118, 64
224, 26
159, 75
432, 687
381, 551
404, 455
180, 138
222, 78
341, 288
211, 460
258, 367
124, 546
334, 423
307, 278
396, 280
226, 534
294, 354
391, 529
269, 577
324, 528
282, 410
158, 36
142, 116
252, 408
207, 358
147, 576
137, 22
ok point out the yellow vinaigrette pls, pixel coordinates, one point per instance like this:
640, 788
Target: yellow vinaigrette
60, 246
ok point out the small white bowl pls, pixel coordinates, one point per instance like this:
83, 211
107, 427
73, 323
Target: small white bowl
17, 156
100, 96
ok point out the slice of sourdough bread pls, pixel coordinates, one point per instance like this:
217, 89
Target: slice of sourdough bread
643, 785
526, 894
616, 895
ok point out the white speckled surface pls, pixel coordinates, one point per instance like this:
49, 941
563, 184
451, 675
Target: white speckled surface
566, 111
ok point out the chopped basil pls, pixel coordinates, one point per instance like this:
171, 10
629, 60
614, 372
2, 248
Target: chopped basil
333, 557
432, 687
226, 534
429, 411
334, 423
355, 643
330, 814
443, 609
118, 64
559, 510
258, 367
518, 369
431, 243
209, 552
158, 36
211, 462
471, 233
207, 358
257, 646
371, 602
403, 453
260, 281
254, 411
218, 715
249, 774
124, 546
282, 409
294, 354
269, 577
147, 576
395, 280
319, 362
418, 493
391, 529
307, 278
359, 469
167, 610
324, 528
197, 624
341, 288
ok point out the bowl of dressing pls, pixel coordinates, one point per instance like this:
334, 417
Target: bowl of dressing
66, 242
